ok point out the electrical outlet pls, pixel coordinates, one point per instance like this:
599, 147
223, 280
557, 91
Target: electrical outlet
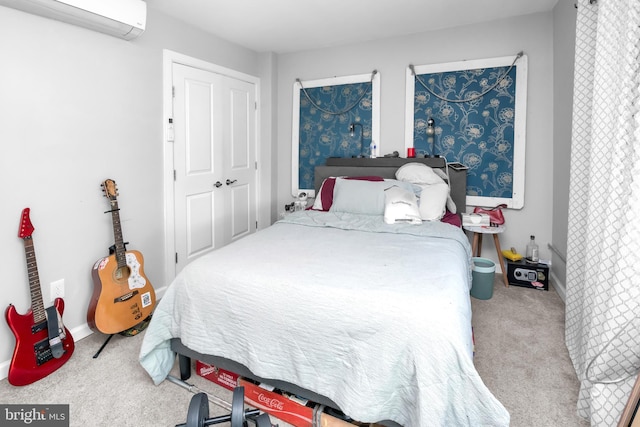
57, 289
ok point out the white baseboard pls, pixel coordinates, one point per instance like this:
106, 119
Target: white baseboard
4, 369
560, 287
77, 333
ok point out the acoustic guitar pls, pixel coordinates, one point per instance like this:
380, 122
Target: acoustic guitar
122, 296
43, 344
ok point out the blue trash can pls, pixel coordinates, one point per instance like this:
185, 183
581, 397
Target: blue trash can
482, 273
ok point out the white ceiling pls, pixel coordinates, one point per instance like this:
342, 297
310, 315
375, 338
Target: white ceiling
283, 26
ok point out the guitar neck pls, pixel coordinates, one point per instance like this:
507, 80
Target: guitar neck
37, 306
117, 234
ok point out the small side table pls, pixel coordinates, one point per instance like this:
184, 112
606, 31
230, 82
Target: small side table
476, 245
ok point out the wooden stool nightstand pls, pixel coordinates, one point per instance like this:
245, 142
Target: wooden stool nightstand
476, 245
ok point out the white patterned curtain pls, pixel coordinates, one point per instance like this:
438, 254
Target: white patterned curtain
603, 247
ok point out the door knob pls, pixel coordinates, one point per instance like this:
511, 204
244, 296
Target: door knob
229, 182
218, 184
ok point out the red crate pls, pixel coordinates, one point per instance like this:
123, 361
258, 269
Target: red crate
226, 379
285, 409
277, 405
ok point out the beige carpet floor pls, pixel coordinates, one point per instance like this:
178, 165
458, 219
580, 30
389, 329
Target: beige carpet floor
522, 358
520, 354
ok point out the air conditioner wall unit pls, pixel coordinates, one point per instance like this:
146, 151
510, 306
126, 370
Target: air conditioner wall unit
125, 19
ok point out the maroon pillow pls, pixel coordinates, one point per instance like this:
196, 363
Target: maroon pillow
324, 198
451, 218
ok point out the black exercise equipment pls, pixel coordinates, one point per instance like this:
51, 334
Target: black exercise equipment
198, 414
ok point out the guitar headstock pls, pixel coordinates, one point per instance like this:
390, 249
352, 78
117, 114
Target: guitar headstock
110, 190
26, 228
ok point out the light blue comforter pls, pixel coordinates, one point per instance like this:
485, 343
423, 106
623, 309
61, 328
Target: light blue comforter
376, 317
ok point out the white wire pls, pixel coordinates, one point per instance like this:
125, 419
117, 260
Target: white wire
474, 97
334, 113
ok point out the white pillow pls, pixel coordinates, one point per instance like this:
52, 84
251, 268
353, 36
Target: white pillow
356, 196
403, 184
401, 206
451, 205
324, 198
442, 174
433, 199
417, 173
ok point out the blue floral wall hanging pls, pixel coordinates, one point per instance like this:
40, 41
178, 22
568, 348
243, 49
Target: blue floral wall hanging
323, 113
475, 111
324, 134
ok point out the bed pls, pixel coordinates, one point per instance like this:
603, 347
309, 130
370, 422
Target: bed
340, 307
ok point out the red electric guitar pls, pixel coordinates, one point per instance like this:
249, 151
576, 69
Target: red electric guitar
43, 343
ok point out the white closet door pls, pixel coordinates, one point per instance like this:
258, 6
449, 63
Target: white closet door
239, 127
214, 161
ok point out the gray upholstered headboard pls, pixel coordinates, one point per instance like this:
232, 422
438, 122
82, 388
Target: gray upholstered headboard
386, 168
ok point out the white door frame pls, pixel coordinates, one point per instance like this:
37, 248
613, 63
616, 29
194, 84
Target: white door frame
169, 58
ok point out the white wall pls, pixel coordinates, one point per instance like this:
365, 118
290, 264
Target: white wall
564, 37
532, 34
77, 107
